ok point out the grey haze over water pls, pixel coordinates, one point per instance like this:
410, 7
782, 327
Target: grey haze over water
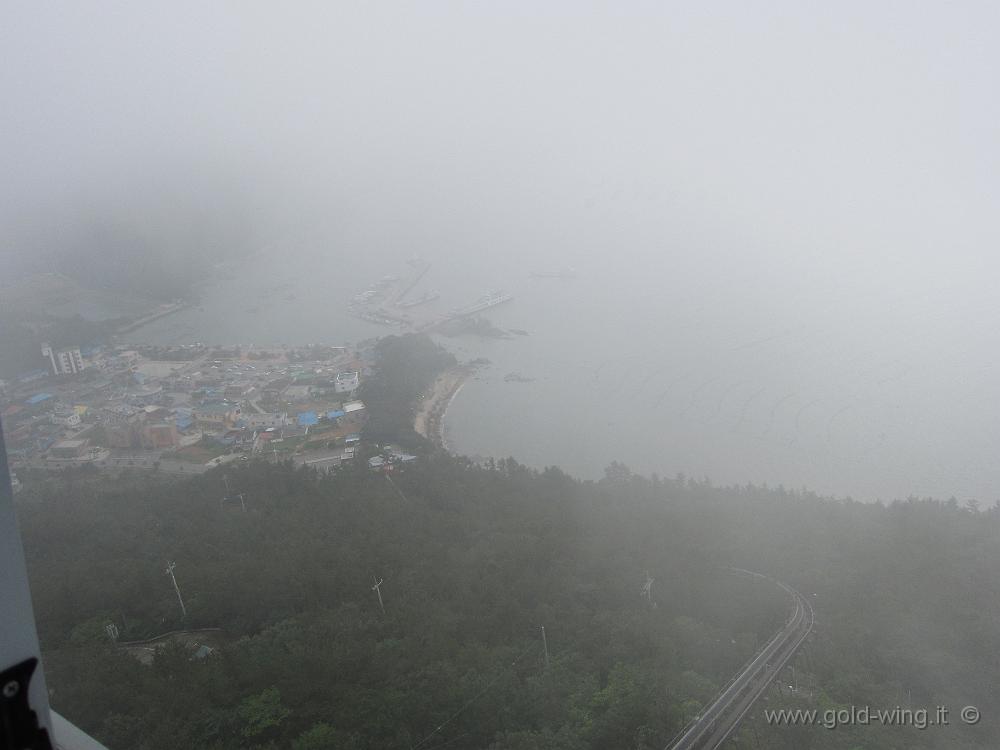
782, 217
677, 371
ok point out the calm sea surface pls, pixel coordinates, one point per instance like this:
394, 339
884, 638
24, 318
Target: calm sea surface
823, 381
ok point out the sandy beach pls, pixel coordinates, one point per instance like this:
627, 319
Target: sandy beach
429, 420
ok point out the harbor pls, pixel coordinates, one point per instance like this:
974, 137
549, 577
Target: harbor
390, 302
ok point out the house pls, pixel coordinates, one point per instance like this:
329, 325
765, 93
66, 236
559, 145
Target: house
266, 419
119, 414
159, 435
216, 415
355, 411
321, 460
238, 392
184, 420
147, 395
69, 449
65, 416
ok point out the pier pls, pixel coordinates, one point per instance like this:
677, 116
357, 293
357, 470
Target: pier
386, 303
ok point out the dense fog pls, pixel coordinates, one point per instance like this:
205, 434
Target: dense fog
724, 178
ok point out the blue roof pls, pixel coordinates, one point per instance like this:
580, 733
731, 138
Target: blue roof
38, 398
307, 418
334, 414
184, 422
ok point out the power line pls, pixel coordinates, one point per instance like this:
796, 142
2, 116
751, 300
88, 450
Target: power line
545, 643
170, 572
396, 487
476, 697
452, 741
377, 588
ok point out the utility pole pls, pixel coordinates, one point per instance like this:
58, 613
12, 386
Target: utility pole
170, 572
376, 588
232, 497
545, 645
647, 588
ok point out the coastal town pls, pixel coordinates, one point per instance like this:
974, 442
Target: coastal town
186, 409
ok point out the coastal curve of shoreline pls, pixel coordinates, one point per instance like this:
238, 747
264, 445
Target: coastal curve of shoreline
429, 419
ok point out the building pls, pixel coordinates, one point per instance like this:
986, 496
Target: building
119, 414
64, 361
355, 412
320, 460
184, 420
122, 426
65, 416
347, 382
69, 449
307, 419
266, 419
147, 395
159, 435
238, 392
216, 416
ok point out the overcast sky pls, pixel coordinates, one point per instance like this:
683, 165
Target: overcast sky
848, 129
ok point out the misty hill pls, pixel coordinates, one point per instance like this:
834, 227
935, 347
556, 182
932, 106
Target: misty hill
156, 236
474, 560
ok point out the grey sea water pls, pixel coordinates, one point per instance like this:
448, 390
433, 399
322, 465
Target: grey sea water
818, 377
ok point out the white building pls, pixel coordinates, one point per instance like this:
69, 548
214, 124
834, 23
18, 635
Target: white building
64, 361
354, 409
347, 382
65, 416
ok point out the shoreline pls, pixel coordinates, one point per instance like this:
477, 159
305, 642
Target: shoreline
429, 419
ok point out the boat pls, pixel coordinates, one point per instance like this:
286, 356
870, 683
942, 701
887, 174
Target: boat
565, 273
483, 303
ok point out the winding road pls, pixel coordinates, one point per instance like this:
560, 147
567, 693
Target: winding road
716, 723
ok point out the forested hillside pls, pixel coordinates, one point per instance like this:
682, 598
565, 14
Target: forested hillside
475, 559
